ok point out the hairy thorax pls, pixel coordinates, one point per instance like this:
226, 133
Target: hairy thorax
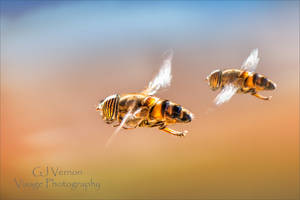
231, 76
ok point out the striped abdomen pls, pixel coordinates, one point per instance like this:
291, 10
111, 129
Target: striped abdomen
259, 82
164, 110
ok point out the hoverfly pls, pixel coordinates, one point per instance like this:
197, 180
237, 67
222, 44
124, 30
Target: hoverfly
129, 111
243, 80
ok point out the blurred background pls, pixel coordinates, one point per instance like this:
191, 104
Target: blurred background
59, 58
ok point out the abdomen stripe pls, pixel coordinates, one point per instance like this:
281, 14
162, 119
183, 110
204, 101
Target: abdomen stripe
164, 107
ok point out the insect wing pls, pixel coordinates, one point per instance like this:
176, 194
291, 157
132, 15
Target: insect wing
251, 62
128, 115
225, 95
163, 78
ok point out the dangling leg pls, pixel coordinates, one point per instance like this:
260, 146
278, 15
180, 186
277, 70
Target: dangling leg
173, 132
260, 96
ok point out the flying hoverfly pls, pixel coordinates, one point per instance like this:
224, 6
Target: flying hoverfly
129, 111
243, 80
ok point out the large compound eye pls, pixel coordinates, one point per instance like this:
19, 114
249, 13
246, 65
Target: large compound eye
214, 79
109, 107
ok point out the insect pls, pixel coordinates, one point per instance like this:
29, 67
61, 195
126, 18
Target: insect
243, 80
129, 111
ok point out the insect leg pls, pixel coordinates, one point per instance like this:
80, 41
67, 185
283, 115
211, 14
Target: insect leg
173, 132
260, 96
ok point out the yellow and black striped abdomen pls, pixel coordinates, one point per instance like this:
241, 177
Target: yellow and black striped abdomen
259, 82
165, 110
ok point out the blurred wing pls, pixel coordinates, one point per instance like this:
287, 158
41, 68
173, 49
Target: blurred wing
251, 62
226, 93
163, 78
128, 115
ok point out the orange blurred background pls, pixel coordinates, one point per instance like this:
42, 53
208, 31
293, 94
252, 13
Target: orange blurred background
58, 59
